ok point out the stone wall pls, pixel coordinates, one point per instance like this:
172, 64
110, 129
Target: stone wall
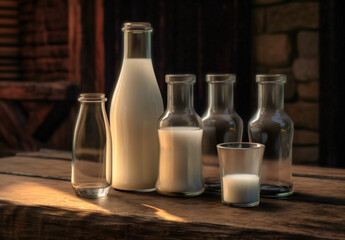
286, 40
43, 37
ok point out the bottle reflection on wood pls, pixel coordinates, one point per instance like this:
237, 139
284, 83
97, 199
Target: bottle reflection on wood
272, 127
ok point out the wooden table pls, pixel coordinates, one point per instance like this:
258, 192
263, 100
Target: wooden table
38, 202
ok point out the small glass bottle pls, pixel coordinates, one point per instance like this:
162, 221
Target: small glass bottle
272, 127
91, 152
180, 139
221, 123
135, 109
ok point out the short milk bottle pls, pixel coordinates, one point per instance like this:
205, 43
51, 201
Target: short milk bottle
91, 149
180, 139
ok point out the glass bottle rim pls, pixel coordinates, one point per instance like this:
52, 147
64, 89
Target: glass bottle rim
270, 78
240, 145
220, 78
92, 97
137, 27
180, 78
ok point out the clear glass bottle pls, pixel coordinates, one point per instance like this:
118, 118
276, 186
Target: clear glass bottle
91, 152
180, 139
221, 123
272, 127
135, 108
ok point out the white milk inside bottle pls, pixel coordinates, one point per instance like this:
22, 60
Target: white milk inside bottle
136, 107
180, 159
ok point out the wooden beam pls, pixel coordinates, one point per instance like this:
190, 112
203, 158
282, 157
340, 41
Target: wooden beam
7, 30
9, 40
38, 188
9, 75
74, 40
99, 47
9, 21
9, 12
8, 68
12, 132
36, 90
8, 61
8, 4
9, 51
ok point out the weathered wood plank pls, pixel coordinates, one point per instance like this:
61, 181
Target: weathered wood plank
321, 190
8, 4
9, 68
8, 61
44, 167
9, 40
9, 12
9, 75
74, 40
9, 51
12, 132
317, 172
35, 90
163, 216
99, 46
39, 206
48, 154
9, 22
11, 31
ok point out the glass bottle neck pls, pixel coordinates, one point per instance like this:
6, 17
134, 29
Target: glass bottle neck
180, 97
220, 97
137, 44
271, 96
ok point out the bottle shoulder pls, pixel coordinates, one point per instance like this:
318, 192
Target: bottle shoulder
222, 119
187, 118
137, 88
271, 119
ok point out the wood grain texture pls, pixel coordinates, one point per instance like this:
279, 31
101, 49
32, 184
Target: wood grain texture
48, 154
74, 40
121, 211
99, 46
45, 208
35, 90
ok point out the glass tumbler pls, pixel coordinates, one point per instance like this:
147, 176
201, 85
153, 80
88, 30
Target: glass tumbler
91, 153
239, 165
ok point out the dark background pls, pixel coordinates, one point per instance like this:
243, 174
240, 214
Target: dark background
51, 50
196, 37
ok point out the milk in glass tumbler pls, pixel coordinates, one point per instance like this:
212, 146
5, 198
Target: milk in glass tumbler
239, 165
91, 153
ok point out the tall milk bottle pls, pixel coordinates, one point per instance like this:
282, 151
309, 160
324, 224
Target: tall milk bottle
135, 108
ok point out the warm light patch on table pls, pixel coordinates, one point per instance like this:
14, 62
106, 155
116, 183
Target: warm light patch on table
163, 214
44, 195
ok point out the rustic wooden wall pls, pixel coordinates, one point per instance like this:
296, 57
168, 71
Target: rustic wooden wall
9, 41
66, 46
37, 101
